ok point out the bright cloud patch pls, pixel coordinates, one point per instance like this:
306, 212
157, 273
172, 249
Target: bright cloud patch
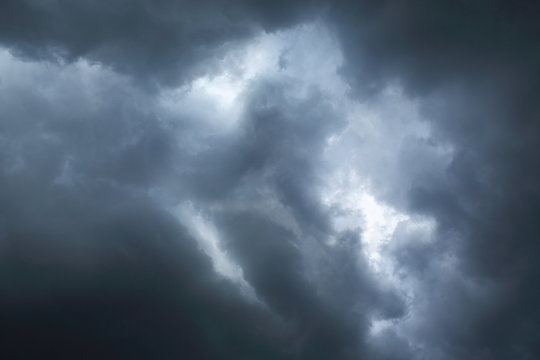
364, 177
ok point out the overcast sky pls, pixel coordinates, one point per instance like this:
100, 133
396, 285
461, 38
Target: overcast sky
269, 180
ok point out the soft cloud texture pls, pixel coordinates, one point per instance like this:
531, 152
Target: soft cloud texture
270, 180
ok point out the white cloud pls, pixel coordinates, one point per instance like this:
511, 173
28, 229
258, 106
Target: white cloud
209, 241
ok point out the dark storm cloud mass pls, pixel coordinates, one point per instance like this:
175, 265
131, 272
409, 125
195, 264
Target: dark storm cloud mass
94, 266
477, 66
91, 268
157, 42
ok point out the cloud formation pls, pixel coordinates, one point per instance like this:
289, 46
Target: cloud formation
270, 180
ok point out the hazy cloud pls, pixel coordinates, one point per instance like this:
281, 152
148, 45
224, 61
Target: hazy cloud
279, 180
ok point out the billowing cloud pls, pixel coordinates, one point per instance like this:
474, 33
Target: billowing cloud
270, 180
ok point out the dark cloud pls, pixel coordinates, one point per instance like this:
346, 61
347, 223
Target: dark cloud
93, 267
424, 43
474, 67
158, 43
119, 279
95, 264
280, 145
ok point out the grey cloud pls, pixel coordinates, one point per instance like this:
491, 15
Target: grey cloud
91, 260
473, 67
158, 43
278, 149
330, 312
93, 267
85, 248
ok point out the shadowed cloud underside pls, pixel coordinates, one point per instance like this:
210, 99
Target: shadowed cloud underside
269, 180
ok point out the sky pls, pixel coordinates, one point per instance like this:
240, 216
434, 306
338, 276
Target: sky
269, 180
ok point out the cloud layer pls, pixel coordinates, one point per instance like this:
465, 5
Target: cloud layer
280, 180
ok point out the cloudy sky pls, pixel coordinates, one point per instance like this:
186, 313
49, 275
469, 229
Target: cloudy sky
269, 180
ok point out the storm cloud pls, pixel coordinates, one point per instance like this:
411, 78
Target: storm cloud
269, 180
